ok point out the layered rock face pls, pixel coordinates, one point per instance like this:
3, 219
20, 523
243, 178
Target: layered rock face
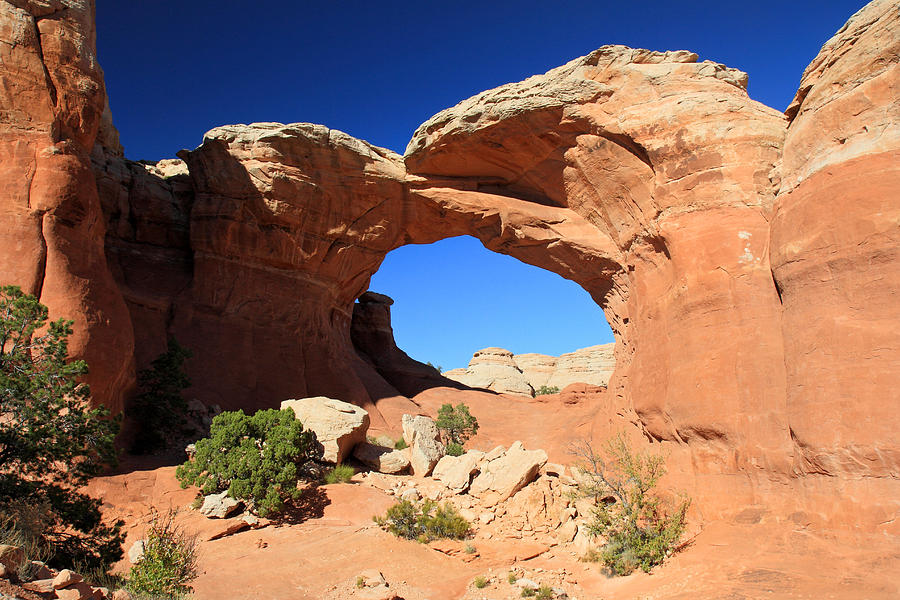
499, 370
745, 259
662, 220
51, 239
835, 245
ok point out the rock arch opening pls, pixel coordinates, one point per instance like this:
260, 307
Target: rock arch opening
454, 297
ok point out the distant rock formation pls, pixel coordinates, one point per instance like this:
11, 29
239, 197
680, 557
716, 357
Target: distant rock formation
501, 371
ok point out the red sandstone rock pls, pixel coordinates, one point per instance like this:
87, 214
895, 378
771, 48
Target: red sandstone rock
51, 242
745, 260
835, 254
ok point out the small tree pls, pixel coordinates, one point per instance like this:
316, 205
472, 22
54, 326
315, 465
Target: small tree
159, 407
169, 562
256, 458
640, 531
51, 441
456, 424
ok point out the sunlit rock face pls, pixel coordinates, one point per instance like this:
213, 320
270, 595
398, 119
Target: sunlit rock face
499, 370
745, 259
51, 238
835, 245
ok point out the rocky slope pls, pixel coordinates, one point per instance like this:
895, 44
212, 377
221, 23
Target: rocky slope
499, 370
745, 259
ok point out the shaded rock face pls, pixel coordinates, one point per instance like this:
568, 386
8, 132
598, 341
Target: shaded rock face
373, 339
746, 260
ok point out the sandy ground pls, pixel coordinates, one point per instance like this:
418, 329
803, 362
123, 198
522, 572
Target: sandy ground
320, 550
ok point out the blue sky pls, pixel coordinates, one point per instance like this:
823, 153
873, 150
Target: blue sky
377, 70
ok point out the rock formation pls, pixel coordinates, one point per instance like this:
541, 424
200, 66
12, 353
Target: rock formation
745, 259
51, 241
501, 371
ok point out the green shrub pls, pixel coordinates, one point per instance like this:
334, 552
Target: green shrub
23, 527
360, 582
256, 458
425, 521
470, 549
456, 424
546, 391
159, 409
511, 578
401, 444
545, 592
640, 531
481, 582
340, 474
528, 592
454, 449
51, 441
169, 562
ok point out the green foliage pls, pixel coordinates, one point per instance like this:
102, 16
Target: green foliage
511, 578
401, 444
456, 424
169, 562
51, 441
639, 529
256, 458
545, 390
470, 549
425, 521
528, 592
454, 449
360, 582
340, 474
481, 582
545, 592
159, 407
437, 368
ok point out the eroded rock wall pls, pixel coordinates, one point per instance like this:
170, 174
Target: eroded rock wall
835, 240
51, 239
745, 259
669, 171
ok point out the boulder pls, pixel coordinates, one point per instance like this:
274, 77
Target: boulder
41, 586
424, 443
229, 527
11, 557
384, 440
339, 426
136, 552
40, 570
455, 472
66, 578
381, 458
410, 495
371, 585
76, 591
506, 475
220, 506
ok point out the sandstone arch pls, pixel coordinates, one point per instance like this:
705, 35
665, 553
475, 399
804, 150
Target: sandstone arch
692, 214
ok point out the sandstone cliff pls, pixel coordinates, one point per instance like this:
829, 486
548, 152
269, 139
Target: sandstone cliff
745, 259
51, 241
499, 370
